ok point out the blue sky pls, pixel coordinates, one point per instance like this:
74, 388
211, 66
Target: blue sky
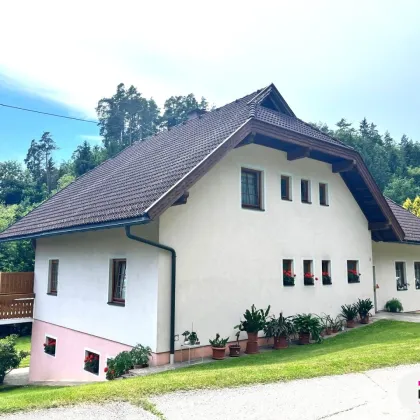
329, 59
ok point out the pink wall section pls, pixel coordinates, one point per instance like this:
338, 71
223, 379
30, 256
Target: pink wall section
67, 365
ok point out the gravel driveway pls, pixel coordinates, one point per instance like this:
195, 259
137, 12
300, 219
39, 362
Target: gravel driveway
372, 395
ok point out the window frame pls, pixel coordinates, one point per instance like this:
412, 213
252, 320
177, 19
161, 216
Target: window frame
326, 194
311, 270
417, 284
47, 336
309, 192
89, 350
356, 269
404, 273
289, 196
328, 270
259, 173
292, 263
112, 299
50, 290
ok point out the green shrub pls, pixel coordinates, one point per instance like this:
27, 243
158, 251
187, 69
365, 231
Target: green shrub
255, 320
219, 342
308, 323
140, 355
119, 365
394, 305
9, 356
364, 306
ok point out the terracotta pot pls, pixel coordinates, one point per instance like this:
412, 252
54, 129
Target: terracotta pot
364, 319
234, 350
304, 338
219, 353
280, 343
350, 323
328, 331
252, 344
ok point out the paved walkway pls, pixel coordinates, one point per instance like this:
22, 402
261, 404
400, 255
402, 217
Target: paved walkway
374, 395
406, 316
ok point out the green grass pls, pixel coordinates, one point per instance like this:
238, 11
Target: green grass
24, 343
384, 343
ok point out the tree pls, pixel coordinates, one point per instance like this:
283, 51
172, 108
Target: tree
413, 206
83, 159
176, 109
12, 182
125, 118
400, 188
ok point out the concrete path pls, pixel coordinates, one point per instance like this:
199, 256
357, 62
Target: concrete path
374, 395
405, 316
17, 377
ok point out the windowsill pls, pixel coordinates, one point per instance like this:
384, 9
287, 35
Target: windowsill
353, 282
116, 303
324, 205
327, 284
252, 208
52, 293
402, 290
288, 285
286, 199
48, 354
306, 202
93, 373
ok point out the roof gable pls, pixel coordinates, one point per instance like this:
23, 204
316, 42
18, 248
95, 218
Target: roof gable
271, 98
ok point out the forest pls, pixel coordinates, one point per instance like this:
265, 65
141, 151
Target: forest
127, 116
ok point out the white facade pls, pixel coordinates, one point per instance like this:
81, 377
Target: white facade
230, 257
385, 255
82, 300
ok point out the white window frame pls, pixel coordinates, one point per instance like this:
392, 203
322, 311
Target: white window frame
290, 186
263, 187
327, 196
358, 269
84, 356
309, 190
56, 344
405, 275
111, 278
50, 260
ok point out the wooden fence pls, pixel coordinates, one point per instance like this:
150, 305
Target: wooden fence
16, 283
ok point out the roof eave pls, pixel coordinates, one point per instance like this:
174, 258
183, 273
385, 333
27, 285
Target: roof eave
80, 228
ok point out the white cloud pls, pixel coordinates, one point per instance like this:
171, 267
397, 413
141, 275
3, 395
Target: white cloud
77, 52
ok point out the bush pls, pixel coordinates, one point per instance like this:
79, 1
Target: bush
394, 305
119, 365
140, 355
9, 356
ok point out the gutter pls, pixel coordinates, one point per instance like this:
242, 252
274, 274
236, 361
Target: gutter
173, 285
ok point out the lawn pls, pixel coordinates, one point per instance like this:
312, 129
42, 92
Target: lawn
384, 343
24, 343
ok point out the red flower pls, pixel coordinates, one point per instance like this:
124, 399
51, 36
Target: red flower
45, 345
316, 278
112, 371
106, 369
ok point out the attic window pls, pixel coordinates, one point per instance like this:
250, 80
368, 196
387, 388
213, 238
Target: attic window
269, 103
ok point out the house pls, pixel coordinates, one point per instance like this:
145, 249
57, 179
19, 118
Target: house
196, 223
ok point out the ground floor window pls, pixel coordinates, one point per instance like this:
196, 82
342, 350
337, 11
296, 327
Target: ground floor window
308, 273
92, 362
50, 346
400, 276
288, 275
417, 274
353, 275
326, 272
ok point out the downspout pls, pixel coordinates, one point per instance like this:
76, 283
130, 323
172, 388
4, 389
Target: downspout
173, 284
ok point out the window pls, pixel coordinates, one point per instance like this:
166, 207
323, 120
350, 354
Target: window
417, 274
50, 345
285, 188
400, 276
308, 275
305, 191
118, 281
251, 189
323, 194
53, 277
91, 362
288, 275
326, 272
353, 275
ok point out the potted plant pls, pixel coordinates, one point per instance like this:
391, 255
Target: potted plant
308, 325
255, 320
288, 278
218, 345
326, 278
280, 329
336, 324
394, 305
364, 306
353, 276
308, 279
349, 313
190, 338
49, 346
326, 322
235, 348
140, 356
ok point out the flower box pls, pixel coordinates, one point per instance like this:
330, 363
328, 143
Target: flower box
49, 346
353, 276
92, 362
308, 279
288, 278
326, 278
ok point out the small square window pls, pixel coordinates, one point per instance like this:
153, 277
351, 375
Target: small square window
288, 275
353, 275
251, 185
417, 274
308, 274
326, 272
305, 191
50, 346
53, 277
286, 193
400, 276
91, 362
118, 281
323, 194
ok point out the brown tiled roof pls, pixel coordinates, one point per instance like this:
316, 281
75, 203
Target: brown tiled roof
407, 220
144, 178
